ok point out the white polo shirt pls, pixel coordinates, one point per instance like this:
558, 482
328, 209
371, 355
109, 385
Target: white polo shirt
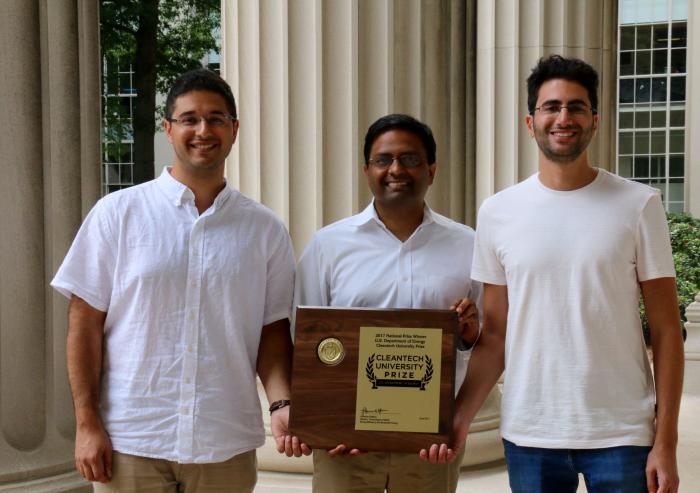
577, 373
186, 296
358, 262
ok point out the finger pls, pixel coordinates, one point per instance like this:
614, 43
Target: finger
339, 450
451, 455
651, 480
442, 454
423, 454
288, 450
354, 452
471, 311
279, 444
663, 484
81, 471
108, 463
296, 446
87, 471
433, 453
305, 449
98, 469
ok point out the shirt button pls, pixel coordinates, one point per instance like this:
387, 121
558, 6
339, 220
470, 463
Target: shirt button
184, 410
195, 252
189, 348
188, 381
190, 317
405, 279
193, 284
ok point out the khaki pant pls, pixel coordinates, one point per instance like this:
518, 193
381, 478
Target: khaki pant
376, 471
143, 474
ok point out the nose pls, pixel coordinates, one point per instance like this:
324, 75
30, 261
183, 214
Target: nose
395, 168
563, 117
202, 125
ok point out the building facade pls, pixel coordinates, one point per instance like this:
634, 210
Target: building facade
651, 109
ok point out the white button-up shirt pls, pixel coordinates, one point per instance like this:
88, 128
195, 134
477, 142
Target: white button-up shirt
186, 296
358, 262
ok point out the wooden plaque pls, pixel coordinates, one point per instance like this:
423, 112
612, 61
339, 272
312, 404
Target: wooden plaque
327, 372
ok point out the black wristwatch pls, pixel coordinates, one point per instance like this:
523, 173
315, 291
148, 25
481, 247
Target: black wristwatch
279, 405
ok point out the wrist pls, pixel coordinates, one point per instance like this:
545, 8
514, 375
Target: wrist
666, 443
275, 406
87, 418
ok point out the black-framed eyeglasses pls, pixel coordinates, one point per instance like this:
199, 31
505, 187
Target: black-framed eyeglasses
191, 121
574, 109
406, 160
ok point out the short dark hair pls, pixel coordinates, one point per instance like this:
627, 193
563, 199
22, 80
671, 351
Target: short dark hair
399, 121
558, 67
200, 79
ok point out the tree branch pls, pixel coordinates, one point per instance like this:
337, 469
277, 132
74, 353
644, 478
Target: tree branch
118, 27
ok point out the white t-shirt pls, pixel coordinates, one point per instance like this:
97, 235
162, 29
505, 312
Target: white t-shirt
186, 296
577, 374
358, 262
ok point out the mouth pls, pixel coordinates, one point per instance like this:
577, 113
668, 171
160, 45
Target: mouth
398, 184
203, 146
563, 134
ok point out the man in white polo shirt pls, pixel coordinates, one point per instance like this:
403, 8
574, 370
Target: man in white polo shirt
397, 253
181, 290
564, 256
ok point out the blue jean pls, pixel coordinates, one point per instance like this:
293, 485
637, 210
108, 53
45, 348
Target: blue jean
605, 470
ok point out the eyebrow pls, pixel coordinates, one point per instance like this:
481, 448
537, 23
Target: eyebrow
557, 101
192, 113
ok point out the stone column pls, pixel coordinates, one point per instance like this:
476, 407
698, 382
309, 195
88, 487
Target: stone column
310, 76
511, 36
50, 91
691, 380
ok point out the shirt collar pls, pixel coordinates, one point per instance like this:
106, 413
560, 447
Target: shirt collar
370, 214
178, 193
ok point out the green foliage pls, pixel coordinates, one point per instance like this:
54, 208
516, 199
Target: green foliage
685, 242
186, 33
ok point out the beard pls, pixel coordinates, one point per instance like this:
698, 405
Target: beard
563, 153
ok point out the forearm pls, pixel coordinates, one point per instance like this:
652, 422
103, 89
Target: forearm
668, 379
275, 360
84, 359
486, 365
487, 360
661, 303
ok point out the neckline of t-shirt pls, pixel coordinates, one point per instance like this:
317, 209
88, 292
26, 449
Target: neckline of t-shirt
597, 179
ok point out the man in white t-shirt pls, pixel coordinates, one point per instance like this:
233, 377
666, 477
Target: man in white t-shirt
181, 290
396, 253
563, 257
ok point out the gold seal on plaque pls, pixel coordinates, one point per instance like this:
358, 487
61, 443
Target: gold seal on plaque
331, 351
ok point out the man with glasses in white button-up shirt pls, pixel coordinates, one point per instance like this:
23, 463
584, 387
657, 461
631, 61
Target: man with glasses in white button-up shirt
180, 290
397, 253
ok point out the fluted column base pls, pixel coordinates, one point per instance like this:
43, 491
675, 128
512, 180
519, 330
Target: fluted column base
70, 482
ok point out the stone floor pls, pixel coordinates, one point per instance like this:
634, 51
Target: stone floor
493, 478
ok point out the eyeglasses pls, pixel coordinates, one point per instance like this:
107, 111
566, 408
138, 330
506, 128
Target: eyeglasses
406, 160
212, 121
574, 109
